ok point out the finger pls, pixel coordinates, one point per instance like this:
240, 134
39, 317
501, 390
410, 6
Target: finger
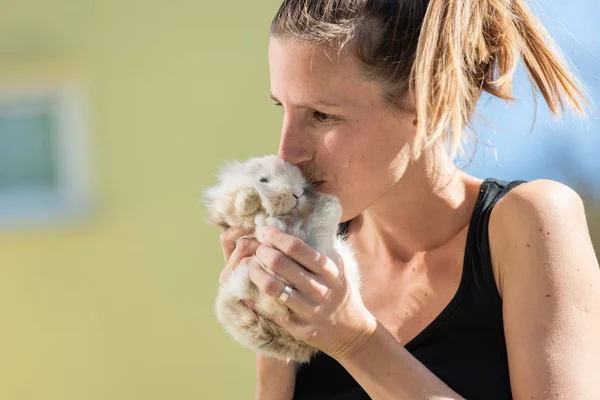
228, 239
303, 254
273, 287
244, 248
228, 270
296, 275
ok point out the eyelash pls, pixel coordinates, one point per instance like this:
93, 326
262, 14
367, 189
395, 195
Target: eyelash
316, 115
322, 117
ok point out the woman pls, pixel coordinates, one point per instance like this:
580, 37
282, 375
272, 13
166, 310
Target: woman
471, 289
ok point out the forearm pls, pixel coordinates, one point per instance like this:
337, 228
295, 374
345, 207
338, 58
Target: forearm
275, 379
386, 370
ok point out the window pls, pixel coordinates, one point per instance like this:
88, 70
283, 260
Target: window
43, 160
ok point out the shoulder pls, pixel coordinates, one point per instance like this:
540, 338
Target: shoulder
542, 197
549, 280
540, 215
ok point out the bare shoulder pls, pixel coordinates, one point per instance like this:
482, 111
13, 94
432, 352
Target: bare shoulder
542, 197
534, 215
542, 194
549, 279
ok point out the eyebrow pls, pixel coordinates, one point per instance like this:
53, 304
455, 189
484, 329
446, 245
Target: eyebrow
310, 105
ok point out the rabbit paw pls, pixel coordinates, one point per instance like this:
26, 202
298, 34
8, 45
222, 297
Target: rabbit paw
247, 201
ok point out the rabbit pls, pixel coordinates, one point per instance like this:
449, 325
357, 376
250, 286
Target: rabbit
270, 191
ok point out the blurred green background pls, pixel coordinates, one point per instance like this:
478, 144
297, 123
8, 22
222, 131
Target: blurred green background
117, 304
114, 301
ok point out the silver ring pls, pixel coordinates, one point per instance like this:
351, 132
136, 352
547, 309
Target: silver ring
285, 294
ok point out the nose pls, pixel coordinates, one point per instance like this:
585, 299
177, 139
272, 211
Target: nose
297, 196
294, 144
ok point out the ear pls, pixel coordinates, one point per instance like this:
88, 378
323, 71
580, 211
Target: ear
247, 201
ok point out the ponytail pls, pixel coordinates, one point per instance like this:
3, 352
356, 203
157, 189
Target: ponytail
469, 46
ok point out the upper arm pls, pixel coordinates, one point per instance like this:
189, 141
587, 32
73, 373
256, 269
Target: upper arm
549, 280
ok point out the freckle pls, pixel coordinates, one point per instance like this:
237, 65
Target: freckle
414, 269
548, 296
425, 294
540, 229
405, 312
548, 233
528, 245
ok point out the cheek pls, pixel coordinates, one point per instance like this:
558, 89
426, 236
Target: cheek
357, 165
357, 153
343, 157
365, 165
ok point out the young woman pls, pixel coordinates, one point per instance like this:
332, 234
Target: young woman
471, 289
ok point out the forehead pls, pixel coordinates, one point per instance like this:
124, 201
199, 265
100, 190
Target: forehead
303, 73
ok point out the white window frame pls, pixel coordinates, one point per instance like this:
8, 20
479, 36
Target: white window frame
70, 201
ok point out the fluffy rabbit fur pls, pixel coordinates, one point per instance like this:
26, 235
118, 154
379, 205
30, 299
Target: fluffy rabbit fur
269, 191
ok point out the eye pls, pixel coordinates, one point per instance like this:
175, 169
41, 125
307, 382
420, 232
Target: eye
264, 180
322, 117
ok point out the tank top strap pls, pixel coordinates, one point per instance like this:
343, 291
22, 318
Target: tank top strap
491, 192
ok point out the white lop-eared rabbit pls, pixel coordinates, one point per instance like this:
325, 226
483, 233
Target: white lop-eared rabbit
270, 191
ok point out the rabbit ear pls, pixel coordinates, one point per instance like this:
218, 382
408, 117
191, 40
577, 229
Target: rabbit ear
247, 201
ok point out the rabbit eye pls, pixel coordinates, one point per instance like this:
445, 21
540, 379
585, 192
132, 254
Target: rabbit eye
264, 180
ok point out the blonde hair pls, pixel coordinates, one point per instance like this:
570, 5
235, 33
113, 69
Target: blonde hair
436, 57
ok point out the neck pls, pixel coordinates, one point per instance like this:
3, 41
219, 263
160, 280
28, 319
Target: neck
424, 210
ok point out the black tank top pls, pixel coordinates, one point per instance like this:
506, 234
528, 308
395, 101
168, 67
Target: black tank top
464, 346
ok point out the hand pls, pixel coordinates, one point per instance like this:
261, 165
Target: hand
325, 312
236, 249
